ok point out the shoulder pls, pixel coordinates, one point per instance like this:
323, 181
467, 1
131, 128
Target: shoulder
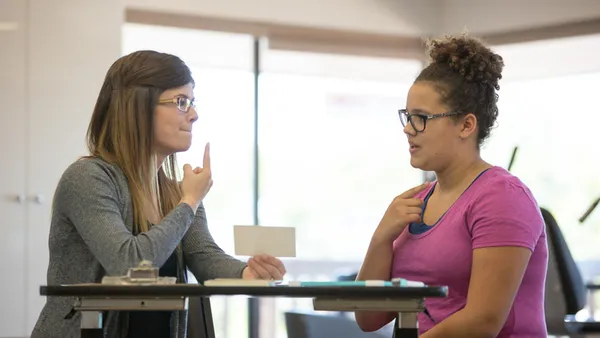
498, 185
88, 168
90, 175
88, 182
504, 208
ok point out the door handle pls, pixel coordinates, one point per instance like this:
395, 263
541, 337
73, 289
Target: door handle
38, 198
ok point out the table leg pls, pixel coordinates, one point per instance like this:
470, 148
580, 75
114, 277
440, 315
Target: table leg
91, 324
591, 300
406, 326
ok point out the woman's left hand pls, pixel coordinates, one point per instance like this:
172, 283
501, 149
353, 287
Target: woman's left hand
264, 267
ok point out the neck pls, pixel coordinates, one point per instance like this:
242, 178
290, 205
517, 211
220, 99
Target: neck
461, 171
160, 159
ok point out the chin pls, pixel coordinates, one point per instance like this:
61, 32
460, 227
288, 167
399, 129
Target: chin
183, 146
419, 164
415, 163
180, 150
177, 149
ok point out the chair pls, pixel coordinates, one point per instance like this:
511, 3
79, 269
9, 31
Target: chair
566, 292
200, 322
307, 325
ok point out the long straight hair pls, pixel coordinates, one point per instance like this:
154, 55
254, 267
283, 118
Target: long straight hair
121, 130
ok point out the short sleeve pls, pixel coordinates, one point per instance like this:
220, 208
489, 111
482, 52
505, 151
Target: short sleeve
505, 214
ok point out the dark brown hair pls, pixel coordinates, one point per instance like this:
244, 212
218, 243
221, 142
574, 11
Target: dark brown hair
121, 130
465, 73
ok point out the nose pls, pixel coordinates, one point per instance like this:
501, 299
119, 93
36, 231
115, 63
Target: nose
192, 115
409, 130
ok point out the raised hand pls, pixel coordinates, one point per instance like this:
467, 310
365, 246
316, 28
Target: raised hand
403, 210
197, 182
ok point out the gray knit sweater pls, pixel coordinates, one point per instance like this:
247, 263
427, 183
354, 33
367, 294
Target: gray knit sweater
91, 236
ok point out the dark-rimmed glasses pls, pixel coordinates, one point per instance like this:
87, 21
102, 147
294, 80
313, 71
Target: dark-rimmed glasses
419, 120
183, 103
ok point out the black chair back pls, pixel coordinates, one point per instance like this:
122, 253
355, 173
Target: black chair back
572, 284
306, 325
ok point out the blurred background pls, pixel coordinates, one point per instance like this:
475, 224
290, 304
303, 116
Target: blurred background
299, 100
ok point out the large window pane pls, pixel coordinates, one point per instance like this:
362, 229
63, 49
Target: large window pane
548, 108
332, 157
224, 92
558, 155
226, 120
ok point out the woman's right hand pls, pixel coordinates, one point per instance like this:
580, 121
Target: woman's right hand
403, 210
197, 182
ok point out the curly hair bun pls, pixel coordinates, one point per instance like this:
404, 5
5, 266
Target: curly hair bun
467, 56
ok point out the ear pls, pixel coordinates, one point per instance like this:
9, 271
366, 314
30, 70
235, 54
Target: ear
468, 126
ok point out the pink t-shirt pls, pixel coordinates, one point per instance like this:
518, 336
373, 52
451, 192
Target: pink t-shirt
496, 210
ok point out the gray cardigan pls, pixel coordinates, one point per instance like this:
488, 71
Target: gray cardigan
91, 236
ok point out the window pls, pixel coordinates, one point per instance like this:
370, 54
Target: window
225, 101
548, 108
333, 154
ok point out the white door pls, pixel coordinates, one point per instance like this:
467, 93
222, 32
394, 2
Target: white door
71, 43
13, 169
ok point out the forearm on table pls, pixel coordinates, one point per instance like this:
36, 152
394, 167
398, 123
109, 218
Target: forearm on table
377, 265
463, 324
211, 262
203, 255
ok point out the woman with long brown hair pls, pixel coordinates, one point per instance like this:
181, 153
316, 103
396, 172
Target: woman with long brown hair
124, 202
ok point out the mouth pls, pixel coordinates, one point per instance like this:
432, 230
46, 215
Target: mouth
412, 147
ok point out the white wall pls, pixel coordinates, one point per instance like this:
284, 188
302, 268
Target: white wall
71, 45
54, 57
489, 16
404, 17
558, 57
13, 149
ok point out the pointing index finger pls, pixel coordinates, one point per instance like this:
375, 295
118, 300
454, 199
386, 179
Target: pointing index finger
206, 161
413, 191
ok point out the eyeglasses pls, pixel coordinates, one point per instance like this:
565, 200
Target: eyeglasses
183, 103
418, 120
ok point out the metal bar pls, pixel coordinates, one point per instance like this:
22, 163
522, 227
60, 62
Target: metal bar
130, 304
407, 320
253, 303
91, 320
391, 305
406, 325
91, 324
591, 300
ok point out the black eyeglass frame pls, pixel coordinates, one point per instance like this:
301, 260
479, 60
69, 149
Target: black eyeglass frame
424, 117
